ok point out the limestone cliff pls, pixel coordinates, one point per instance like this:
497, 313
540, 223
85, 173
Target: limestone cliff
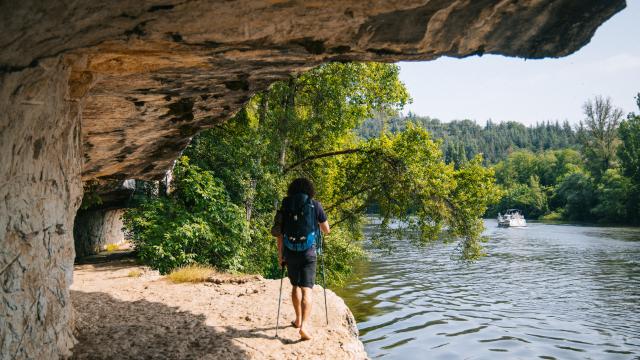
116, 89
151, 74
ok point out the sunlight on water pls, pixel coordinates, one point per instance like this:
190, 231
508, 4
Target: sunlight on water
546, 291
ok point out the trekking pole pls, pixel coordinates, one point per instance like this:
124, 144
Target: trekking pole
324, 283
324, 287
279, 301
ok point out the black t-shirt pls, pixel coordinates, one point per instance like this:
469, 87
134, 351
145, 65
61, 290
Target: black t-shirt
321, 217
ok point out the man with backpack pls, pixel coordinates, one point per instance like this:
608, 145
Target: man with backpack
297, 228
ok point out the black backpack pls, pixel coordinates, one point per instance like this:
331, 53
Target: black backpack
299, 223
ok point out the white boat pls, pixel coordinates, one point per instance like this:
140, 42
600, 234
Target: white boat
512, 218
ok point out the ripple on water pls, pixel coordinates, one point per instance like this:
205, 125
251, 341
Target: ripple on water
548, 292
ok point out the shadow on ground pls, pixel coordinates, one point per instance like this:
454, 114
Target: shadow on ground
108, 328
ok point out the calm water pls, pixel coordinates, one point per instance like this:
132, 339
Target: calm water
546, 291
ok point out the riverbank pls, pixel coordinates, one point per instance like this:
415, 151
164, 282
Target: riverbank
125, 311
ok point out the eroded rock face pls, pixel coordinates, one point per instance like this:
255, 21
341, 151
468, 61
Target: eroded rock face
93, 230
153, 73
40, 189
116, 89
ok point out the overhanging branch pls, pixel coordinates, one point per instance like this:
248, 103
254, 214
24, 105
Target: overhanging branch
319, 156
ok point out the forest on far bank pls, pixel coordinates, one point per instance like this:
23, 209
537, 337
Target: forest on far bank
588, 172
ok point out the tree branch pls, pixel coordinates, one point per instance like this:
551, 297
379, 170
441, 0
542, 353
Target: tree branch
345, 199
350, 214
319, 156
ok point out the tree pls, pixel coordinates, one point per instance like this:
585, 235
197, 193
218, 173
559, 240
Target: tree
528, 197
519, 167
629, 151
613, 195
576, 194
598, 134
629, 154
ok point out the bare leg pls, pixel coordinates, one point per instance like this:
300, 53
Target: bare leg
307, 301
296, 298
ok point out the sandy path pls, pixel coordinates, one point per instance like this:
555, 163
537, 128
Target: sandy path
148, 317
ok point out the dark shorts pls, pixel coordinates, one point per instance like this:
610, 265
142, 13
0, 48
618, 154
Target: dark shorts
301, 269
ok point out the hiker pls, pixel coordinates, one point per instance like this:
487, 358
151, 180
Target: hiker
297, 227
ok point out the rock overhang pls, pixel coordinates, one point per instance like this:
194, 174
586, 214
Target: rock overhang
150, 75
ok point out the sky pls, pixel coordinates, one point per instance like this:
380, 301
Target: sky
529, 91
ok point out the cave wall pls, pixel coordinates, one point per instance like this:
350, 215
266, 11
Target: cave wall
93, 230
40, 188
115, 90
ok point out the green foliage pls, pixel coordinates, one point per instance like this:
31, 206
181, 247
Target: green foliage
579, 186
463, 139
577, 191
629, 154
612, 196
197, 223
530, 198
406, 176
90, 197
629, 151
598, 134
518, 168
474, 191
548, 166
340, 251
226, 196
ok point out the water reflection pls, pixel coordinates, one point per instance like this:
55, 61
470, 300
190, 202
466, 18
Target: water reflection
547, 291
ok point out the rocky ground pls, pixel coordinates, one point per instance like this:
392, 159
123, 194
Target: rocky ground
125, 311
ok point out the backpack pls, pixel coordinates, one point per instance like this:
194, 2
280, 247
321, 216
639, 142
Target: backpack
299, 223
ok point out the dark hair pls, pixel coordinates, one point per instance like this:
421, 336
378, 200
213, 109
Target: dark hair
301, 185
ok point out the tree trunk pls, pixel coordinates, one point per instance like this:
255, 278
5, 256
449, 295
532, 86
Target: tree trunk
289, 113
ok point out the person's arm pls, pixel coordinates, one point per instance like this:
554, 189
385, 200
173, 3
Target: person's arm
324, 227
321, 216
276, 231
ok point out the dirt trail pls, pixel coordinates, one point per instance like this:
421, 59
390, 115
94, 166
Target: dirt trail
148, 317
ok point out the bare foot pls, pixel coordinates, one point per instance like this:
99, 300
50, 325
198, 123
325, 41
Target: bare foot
304, 333
295, 324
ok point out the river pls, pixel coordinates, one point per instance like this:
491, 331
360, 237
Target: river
545, 291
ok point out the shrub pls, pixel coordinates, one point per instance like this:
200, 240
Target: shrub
197, 223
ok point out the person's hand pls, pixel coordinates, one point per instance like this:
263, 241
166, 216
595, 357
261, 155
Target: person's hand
281, 260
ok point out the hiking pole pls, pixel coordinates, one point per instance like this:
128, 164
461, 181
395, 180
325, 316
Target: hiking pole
324, 287
324, 283
279, 301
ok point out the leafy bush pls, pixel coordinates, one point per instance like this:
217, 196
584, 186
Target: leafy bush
197, 223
